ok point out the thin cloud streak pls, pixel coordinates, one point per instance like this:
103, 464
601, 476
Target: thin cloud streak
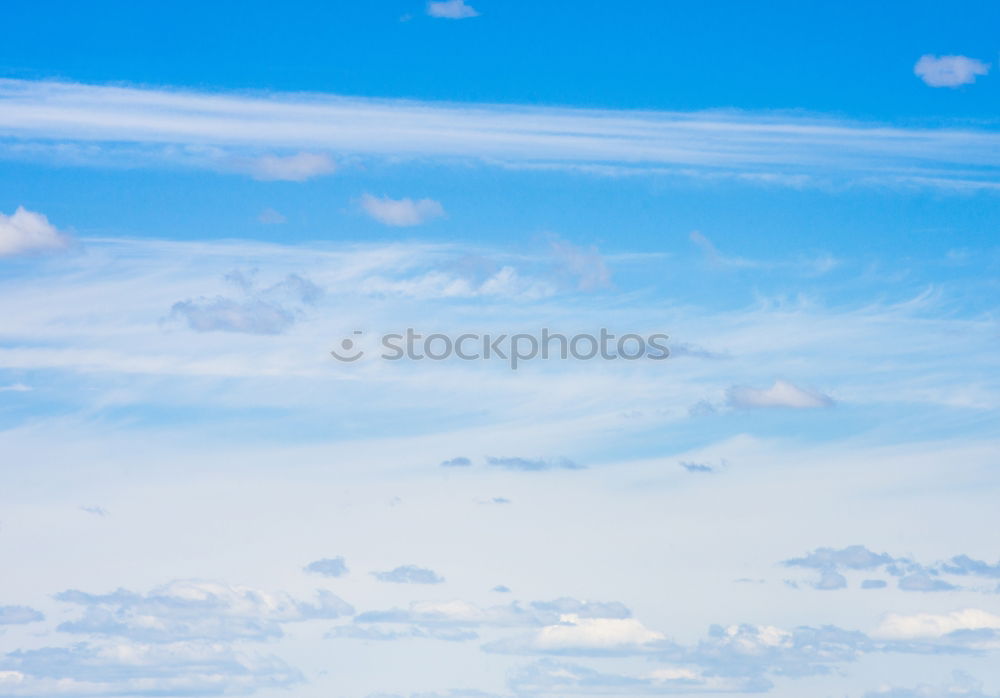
41, 119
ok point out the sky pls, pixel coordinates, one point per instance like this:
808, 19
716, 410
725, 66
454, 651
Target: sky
275, 284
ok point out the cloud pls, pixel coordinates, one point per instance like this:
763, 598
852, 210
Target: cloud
358, 632
195, 610
962, 686
501, 589
854, 557
584, 263
924, 581
15, 388
95, 510
781, 394
271, 217
328, 567
450, 9
25, 231
923, 626
270, 310
409, 574
949, 71
19, 615
577, 635
912, 575
135, 669
460, 462
463, 614
714, 256
533, 464
756, 650
288, 168
221, 314
550, 677
964, 565
830, 580
103, 126
697, 467
401, 212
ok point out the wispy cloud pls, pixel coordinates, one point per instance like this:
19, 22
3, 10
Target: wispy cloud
237, 132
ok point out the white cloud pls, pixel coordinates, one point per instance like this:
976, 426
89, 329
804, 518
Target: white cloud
931, 626
781, 394
82, 124
574, 632
26, 231
401, 212
195, 610
135, 669
450, 9
290, 168
949, 71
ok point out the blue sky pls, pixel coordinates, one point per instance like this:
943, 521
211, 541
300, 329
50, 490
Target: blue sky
200, 203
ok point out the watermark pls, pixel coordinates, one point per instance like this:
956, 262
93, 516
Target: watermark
514, 349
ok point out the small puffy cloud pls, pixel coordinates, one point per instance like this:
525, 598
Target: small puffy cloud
460, 462
533, 464
195, 610
450, 9
95, 510
19, 615
24, 232
874, 584
271, 217
290, 168
409, 574
135, 669
328, 567
501, 589
929, 626
401, 212
949, 71
781, 394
